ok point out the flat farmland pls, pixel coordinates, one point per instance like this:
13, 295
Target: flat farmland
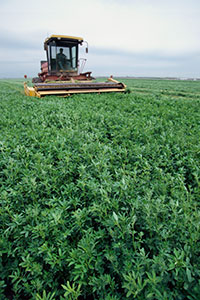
100, 194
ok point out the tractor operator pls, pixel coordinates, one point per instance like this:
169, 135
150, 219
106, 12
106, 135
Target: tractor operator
61, 60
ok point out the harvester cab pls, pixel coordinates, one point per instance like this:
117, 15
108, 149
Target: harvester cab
62, 63
60, 73
62, 54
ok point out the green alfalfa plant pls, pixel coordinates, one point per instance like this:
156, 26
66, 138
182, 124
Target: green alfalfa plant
134, 284
121, 170
45, 296
73, 291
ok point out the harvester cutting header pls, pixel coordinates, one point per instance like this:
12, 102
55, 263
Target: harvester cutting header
61, 74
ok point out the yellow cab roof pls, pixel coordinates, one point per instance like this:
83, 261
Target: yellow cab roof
64, 37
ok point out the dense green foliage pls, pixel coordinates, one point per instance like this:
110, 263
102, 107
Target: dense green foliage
100, 193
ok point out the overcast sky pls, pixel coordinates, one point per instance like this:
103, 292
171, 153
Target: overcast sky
126, 37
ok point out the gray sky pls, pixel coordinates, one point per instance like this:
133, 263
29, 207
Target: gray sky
126, 37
